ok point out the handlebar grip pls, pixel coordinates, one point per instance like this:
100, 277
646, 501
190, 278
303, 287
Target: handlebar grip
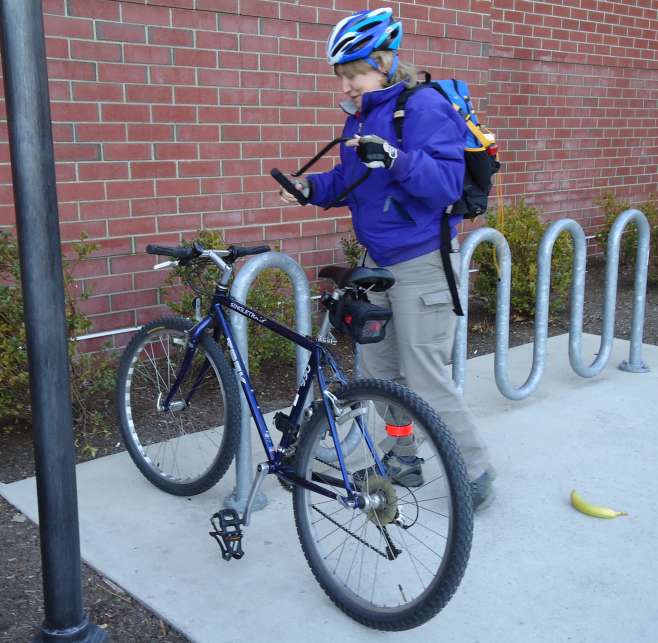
239, 251
165, 251
288, 185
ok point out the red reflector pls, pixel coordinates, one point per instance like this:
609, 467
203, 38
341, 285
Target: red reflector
399, 431
347, 319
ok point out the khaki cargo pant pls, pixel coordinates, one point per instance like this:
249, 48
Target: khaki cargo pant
417, 350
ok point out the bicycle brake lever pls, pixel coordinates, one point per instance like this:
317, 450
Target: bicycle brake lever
165, 264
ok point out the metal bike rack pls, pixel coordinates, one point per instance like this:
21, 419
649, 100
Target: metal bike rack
239, 290
577, 295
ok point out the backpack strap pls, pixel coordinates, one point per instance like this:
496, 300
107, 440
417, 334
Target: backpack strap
445, 250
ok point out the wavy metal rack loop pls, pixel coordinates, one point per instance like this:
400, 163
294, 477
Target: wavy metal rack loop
239, 290
577, 296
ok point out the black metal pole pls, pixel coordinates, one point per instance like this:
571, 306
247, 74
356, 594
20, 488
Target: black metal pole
37, 224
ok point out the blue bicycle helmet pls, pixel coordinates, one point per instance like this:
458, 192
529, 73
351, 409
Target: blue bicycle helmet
356, 37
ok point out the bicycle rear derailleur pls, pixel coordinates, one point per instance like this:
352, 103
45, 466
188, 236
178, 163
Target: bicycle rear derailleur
228, 533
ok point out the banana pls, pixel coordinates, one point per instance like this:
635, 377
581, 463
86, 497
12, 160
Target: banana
593, 510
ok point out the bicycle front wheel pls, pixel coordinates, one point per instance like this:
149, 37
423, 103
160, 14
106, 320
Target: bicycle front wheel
188, 448
396, 562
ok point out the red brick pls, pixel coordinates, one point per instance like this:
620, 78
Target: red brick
174, 37
221, 219
195, 95
126, 151
134, 300
129, 189
172, 76
100, 132
131, 226
97, 92
103, 9
104, 209
94, 306
176, 151
120, 32
219, 77
147, 54
148, 94
57, 48
113, 321
216, 40
154, 206
173, 114
100, 171
198, 168
194, 19
221, 184
146, 15
152, 169
77, 152
122, 73
240, 133
201, 133
86, 50
73, 231
69, 70
203, 203
179, 222
195, 58
150, 132
176, 187
125, 113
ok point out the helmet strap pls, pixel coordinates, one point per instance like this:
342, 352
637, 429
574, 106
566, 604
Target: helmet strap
394, 67
377, 67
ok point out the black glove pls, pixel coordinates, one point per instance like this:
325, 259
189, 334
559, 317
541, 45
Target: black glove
375, 152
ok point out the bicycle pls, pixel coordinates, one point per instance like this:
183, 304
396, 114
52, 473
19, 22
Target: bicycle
386, 535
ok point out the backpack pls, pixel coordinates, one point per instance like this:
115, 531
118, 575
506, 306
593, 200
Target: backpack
480, 155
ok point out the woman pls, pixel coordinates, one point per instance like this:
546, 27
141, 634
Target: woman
396, 214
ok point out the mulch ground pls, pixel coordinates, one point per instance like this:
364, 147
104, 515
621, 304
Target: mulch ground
108, 606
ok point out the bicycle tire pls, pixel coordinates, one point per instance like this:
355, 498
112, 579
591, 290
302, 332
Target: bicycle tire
204, 433
391, 603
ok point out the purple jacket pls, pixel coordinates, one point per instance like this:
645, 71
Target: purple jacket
396, 212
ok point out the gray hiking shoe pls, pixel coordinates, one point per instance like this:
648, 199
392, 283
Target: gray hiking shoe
402, 470
482, 491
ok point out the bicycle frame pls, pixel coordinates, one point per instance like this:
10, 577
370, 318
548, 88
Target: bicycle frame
217, 320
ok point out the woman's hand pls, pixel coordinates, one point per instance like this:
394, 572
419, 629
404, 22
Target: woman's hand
374, 151
301, 184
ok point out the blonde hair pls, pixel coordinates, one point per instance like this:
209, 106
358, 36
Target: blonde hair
405, 72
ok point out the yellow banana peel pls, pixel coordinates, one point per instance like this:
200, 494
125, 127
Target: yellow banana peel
593, 510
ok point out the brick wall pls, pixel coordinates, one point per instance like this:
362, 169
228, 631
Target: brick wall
574, 97
168, 115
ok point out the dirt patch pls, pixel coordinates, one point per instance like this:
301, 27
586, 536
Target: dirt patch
125, 619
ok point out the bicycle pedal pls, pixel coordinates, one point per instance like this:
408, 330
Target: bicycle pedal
228, 533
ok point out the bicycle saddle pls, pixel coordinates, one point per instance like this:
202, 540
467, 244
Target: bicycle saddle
375, 279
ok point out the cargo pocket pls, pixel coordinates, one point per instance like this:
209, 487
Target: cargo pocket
438, 297
439, 323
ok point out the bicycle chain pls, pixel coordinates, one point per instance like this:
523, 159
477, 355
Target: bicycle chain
392, 555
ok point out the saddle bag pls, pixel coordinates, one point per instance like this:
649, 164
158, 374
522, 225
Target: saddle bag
364, 322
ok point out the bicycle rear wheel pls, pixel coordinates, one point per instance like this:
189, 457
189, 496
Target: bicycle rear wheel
396, 563
187, 449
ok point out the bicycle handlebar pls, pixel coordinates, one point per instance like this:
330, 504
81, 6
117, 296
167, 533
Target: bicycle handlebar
185, 254
179, 253
288, 185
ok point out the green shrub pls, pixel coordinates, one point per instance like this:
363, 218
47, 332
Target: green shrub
523, 229
352, 249
91, 375
270, 294
612, 208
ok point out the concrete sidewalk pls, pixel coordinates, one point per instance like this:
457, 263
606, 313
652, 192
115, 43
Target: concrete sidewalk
539, 570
